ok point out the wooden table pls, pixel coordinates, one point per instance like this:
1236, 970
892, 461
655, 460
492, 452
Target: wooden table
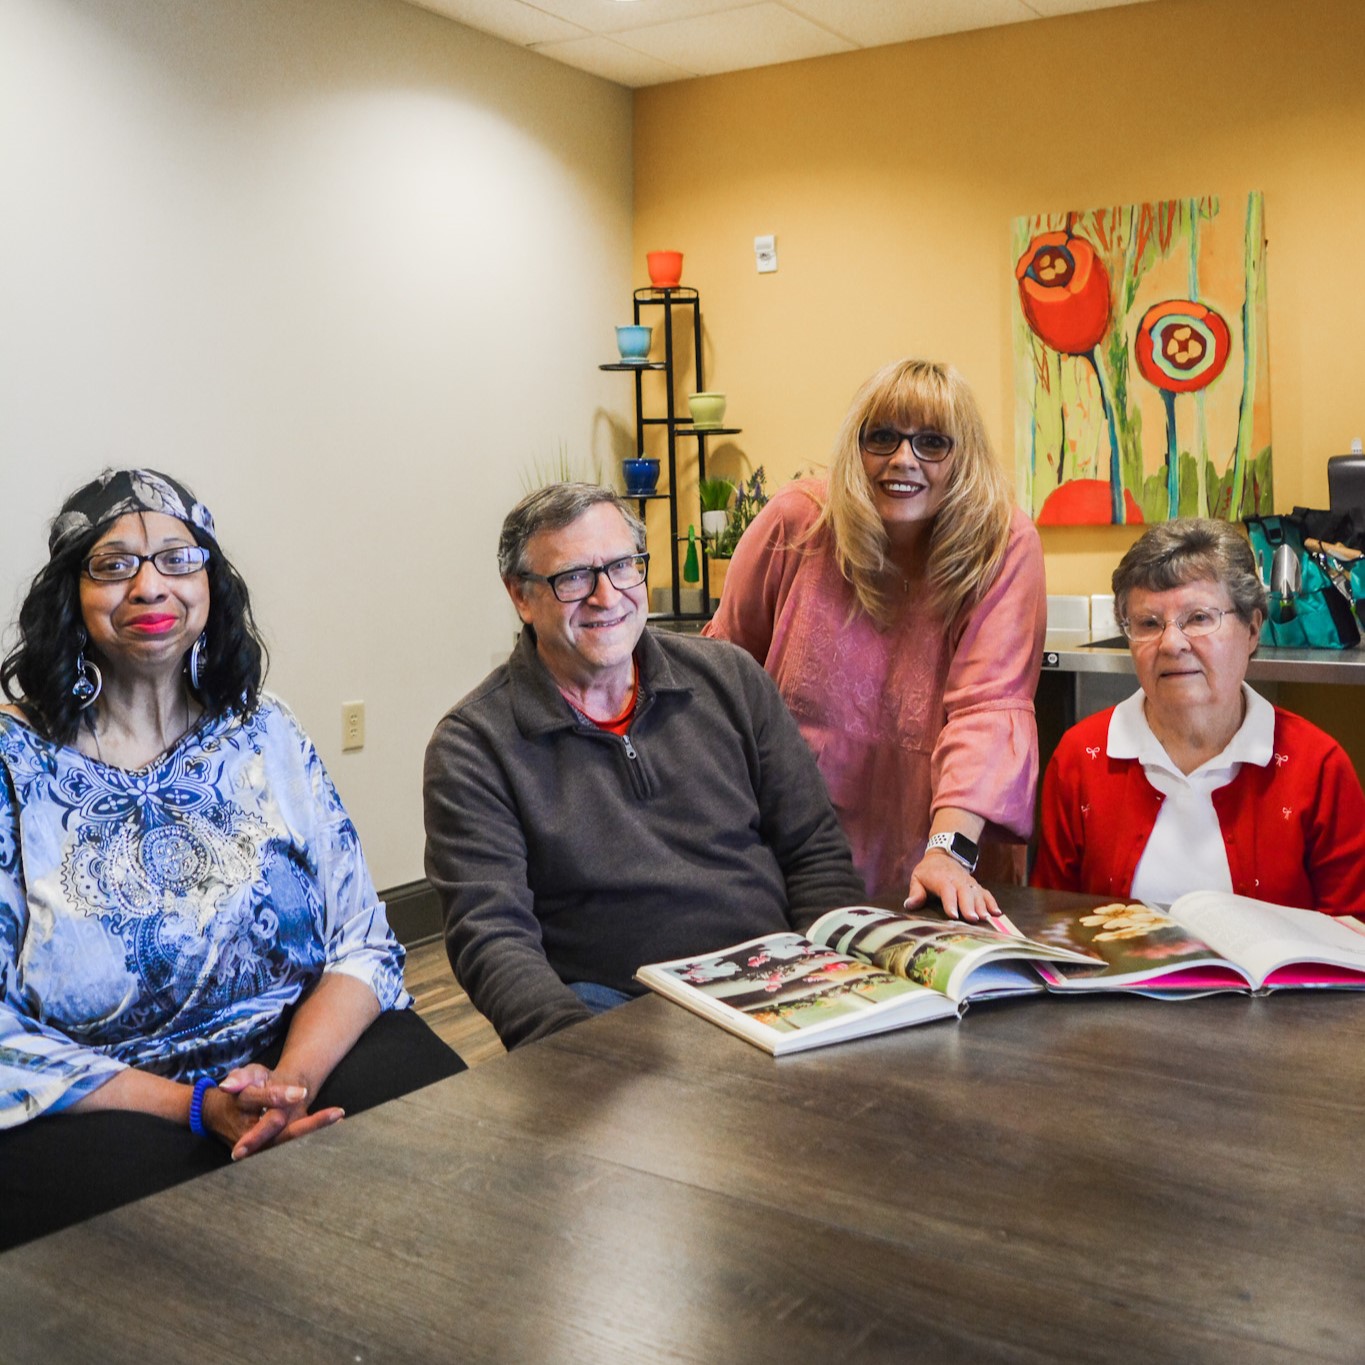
1080, 1179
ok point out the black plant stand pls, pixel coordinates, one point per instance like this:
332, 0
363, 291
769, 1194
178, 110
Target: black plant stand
674, 427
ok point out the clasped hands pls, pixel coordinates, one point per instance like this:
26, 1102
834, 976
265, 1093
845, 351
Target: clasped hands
253, 1108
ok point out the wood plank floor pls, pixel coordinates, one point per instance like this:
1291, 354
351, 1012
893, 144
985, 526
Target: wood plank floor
444, 1006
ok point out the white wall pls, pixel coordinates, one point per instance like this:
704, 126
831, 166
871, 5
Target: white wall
347, 269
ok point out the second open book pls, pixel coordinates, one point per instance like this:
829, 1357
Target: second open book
1208, 941
861, 970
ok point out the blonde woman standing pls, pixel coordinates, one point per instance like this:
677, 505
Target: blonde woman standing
900, 607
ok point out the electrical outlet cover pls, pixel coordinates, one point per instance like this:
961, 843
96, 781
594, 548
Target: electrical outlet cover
352, 726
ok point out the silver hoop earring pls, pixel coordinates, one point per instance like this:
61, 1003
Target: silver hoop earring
89, 681
201, 648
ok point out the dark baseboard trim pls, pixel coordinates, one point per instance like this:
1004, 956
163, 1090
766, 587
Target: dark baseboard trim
414, 912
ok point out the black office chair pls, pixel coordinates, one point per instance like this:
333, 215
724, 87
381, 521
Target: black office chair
1346, 484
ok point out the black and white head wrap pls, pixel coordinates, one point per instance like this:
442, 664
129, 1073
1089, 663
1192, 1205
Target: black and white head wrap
117, 492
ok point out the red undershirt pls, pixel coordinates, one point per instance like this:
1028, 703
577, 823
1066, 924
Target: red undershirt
619, 723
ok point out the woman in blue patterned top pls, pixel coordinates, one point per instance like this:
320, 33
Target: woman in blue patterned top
192, 953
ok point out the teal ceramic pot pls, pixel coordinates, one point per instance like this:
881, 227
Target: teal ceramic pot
642, 477
633, 342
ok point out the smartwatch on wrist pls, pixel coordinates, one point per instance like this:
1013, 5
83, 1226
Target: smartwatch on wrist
956, 846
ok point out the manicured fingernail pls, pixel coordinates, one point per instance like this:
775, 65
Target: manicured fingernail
294, 1093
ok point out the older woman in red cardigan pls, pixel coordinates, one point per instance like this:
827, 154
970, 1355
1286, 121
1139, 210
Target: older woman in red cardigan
1196, 782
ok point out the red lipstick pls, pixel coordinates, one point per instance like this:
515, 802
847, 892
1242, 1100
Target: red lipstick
152, 624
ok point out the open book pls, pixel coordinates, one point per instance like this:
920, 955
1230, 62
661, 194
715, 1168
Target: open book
1208, 941
858, 971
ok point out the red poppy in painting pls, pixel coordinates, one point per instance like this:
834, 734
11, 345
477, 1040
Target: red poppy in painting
1086, 502
1181, 345
1064, 292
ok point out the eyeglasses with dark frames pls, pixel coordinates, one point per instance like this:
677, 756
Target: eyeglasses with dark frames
117, 566
574, 585
929, 446
1192, 624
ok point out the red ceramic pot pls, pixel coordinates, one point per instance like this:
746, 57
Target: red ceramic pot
665, 268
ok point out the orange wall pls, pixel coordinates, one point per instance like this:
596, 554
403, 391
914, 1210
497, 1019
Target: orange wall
890, 178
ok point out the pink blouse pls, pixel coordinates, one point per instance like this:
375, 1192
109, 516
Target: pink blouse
903, 720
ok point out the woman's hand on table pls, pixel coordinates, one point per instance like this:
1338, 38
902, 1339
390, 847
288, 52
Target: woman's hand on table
962, 896
253, 1108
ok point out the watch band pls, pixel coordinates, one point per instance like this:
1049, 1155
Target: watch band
956, 846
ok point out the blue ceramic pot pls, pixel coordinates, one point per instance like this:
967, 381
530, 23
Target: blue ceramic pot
633, 343
642, 477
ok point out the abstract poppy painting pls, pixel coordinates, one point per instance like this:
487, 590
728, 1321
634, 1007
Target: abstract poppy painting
1141, 366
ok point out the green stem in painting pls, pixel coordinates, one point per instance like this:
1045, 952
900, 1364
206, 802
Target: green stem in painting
1172, 457
1252, 260
1199, 446
1115, 470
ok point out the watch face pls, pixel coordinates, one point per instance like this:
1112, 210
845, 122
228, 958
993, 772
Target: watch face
957, 846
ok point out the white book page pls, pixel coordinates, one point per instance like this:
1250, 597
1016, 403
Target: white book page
1261, 937
953, 957
783, 993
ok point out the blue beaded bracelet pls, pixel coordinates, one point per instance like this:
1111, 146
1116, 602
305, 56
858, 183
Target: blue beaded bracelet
203, 1084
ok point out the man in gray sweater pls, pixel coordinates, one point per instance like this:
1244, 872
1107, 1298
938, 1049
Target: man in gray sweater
611, 796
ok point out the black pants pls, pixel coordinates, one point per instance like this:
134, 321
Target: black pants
63, 1168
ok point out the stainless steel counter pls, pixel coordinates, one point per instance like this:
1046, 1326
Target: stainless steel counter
1062, 654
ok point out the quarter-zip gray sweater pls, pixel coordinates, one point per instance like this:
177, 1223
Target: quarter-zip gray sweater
562, 852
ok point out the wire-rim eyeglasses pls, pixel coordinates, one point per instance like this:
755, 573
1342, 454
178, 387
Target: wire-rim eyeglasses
1192, 624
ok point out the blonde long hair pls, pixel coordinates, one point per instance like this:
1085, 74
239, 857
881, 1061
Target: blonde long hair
970, 532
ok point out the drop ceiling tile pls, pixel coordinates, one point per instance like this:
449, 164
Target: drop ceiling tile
755, 35
873, 23
1050, 8
616, 16
510, 20
613, 62
645, 42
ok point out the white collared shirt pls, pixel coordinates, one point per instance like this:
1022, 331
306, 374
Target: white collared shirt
1185, 851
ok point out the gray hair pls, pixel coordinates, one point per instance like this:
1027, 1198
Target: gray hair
551, 509
1173, 553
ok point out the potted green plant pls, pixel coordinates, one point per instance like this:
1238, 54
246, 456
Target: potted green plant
561, 467
749, 500
715, 495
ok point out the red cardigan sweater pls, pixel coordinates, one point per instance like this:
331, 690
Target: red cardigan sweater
1294, 830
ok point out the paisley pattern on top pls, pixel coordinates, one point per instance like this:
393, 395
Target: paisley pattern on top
168, 917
